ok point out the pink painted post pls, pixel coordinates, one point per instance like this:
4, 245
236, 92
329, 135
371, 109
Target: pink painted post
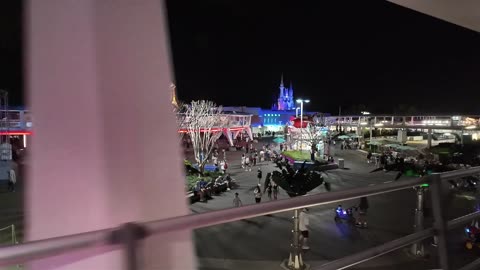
98, 80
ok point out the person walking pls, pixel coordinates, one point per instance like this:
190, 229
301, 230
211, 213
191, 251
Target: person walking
259, 175
304, 224
258, 194
236, 201
275, 190
369, 157
362, 213
222, 167
247, 162
12, 180
269, 191
243, 161
251, 162
215, 160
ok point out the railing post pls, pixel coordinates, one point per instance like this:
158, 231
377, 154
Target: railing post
128, 235
295, 260
418, 248
439, 225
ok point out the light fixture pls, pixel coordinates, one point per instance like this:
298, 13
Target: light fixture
303, 100
471, 127
379, 125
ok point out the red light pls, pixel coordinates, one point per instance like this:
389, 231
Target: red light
15, 133
183, 130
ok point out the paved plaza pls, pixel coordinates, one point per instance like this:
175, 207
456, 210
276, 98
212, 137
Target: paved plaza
263, 242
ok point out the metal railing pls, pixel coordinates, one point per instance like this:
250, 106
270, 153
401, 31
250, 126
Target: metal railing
128, 235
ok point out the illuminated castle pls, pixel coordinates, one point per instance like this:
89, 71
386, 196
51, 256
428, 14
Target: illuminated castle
285, 99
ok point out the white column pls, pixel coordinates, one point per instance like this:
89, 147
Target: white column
228, 133
235, 134
301, 125
98, 80
249, 132
429, 138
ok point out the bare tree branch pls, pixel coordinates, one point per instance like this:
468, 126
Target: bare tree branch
204, 123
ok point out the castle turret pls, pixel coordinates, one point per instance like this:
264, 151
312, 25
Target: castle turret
282, 88
290, 94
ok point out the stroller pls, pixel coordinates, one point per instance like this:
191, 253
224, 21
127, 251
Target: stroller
345, 214
472, 233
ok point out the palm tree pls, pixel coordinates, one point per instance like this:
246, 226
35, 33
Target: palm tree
298, 183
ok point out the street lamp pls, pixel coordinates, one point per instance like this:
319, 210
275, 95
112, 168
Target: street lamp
301, 101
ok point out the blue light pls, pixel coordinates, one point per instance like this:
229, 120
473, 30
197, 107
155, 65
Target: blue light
344, 212
467, 230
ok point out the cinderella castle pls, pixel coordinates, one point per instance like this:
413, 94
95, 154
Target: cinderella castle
285, 99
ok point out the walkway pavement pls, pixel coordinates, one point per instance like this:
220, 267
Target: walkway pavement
263, 242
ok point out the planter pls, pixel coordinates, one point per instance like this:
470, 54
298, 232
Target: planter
208, 167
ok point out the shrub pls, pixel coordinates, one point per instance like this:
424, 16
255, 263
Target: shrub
297, 155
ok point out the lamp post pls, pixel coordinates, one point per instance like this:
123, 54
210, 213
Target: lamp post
301, 101
296, 112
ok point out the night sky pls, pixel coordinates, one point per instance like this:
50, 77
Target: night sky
356, 54
344, 53
11, 75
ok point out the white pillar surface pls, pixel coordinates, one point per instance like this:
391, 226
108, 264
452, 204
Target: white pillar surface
105, 148
228, 133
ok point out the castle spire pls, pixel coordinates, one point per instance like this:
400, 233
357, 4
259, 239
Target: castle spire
281, 81
174, 95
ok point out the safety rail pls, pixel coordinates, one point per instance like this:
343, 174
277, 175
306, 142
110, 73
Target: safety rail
127, 235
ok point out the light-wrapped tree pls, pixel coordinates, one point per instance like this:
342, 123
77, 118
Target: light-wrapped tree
204, 123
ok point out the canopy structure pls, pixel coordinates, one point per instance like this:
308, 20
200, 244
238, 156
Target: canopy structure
463, 13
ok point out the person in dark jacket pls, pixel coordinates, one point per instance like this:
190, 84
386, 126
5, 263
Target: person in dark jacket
259, 175
362, 213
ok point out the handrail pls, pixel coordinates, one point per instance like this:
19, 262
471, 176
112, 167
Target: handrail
374, 252
460, 173
15, 254
472, 266
44, 248
54, 246
388, 247
196, 221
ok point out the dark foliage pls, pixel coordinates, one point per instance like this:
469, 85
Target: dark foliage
301, 181
402, 167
